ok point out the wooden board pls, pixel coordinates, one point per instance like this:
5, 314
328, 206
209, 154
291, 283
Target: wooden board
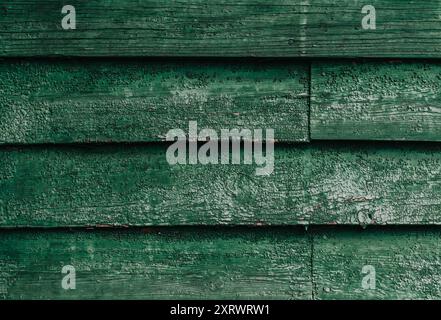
376, 100
406, 262
221, 263
186, 263
244, 28
321, 183
136, 100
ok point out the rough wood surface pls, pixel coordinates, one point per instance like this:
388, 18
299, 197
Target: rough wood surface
320, 183
277, 28
407, 263
181, 263
376, 100
221, 263
124, 100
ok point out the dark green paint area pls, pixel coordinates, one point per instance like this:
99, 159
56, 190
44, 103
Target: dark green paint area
221, 263
246, 28
45, 101
319, 183
376, 101
407, 263
156, 264
52, 175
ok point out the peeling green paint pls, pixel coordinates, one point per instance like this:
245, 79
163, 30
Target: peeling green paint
391, 100
43, 101
317, 183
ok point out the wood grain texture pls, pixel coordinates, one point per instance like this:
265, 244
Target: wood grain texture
407, 263
248, 28
221, 263
167, 263
136, 101
376, 100
320, 183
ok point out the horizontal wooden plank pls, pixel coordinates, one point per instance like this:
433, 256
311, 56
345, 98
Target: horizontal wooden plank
222, 263
132, 101
406, 264
318, 183
376, 100
156, 264
248, 28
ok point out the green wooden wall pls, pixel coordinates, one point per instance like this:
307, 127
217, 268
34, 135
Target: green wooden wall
350, 210
220, 28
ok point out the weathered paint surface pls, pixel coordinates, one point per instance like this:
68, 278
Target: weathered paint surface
186, 263
221, 263
319, 183
376, 100
280, 28
138, 100
120, 100
406, 262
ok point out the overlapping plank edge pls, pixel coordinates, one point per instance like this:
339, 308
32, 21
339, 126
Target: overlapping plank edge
318, 183
373, 100
65, 101
156, 264
279, 28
